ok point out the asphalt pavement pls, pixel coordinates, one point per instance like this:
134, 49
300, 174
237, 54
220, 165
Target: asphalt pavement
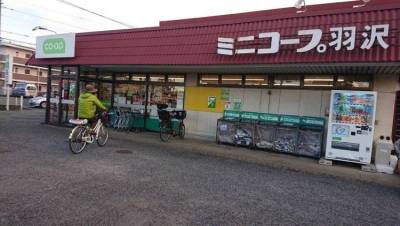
131, 182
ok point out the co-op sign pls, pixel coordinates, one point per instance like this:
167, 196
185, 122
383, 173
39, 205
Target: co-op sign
340, 38
55, 46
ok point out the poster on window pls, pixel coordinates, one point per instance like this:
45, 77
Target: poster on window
237, 104
225, 94
212, 101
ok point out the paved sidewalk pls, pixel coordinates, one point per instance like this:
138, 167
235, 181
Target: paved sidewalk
276, 160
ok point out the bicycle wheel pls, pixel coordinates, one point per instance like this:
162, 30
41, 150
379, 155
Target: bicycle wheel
182, 130
76, 141
102, 137
165, 132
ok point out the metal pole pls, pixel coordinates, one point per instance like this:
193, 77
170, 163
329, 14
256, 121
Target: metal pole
48, 94
22, 103
77, 91
8, 98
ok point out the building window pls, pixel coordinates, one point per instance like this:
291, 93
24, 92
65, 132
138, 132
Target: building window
28, 55
286, 81
157, 78
256, 80
15, 70
209, 80
122, 77
318, 81
40, 73
17, 54
27, 71
138, 78
232, 80
176, 78
354, 82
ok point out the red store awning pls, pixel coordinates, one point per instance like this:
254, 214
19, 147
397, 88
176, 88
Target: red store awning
368, 34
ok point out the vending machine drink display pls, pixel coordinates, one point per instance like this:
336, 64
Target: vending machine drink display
227, 126
265, 131
287, 134
311, 134
245, 130
351, 126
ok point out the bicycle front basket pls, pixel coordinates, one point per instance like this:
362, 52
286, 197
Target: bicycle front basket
181, 115
164, 115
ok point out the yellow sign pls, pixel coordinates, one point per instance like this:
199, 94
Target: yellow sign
197, 99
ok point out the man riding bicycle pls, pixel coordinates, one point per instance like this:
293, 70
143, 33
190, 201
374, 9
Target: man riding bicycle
88, 102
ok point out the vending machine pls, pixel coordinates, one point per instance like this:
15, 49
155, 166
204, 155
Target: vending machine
351, 126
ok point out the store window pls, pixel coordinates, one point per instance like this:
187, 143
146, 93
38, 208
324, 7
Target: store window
209, 79
105, 93
138, 77
354, 82
122, 77
232, 80
176, 78
130, 95
170, 95
157, 78
318, 81
256, 80
286, 81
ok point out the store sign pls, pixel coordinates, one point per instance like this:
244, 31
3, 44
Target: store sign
250, 115
269, 117
341, 38
8, 69
55, 46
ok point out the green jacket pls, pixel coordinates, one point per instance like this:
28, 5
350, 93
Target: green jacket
87, 105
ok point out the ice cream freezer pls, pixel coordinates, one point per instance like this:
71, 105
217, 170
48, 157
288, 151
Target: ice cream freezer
351, 126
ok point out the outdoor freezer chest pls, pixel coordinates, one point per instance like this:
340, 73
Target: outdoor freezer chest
287, 134
265, 131
226, 127
245, 130
311, 134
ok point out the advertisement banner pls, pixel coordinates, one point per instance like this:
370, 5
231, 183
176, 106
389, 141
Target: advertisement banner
8, 70
225, 94
212, 100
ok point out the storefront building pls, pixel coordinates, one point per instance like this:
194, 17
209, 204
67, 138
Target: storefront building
276, 61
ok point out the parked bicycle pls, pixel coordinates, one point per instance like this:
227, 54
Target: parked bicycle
83, 134
167, 127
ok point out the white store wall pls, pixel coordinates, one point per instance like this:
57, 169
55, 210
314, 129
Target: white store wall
291, 102
297, 102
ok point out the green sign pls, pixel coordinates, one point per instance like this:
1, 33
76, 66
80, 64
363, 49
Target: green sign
290, 119
249, 115
268, 117
337, 138
54, 46
312, 121
231, 114
225, 93
212, 102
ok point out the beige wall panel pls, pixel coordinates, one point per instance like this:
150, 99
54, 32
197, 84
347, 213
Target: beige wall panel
310, 103
251, 100
289, 102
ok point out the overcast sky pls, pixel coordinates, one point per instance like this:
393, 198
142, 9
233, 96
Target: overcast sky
20, 16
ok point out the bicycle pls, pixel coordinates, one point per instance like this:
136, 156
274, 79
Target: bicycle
166, 126
82, 134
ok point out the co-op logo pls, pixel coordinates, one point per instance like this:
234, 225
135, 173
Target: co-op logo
54, 46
